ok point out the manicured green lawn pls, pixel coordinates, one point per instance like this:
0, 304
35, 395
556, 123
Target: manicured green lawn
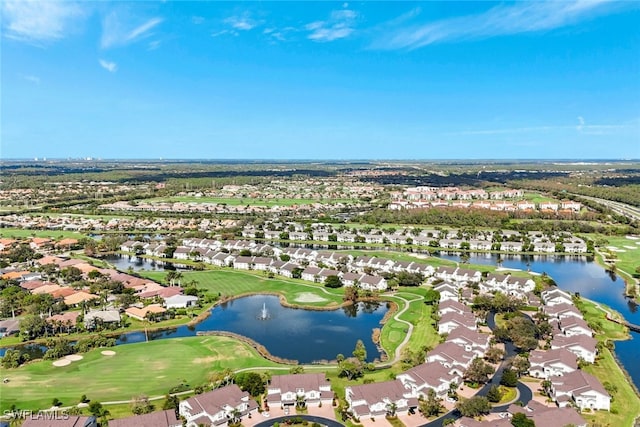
606, 330
19, 233
626, 402
538, 198
627, 255
232, 282
147, 368
419, 315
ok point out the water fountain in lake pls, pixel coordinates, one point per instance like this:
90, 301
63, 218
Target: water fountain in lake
264, 314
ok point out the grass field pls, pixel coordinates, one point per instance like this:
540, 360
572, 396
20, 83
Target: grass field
19, 233
232, 282
538, 198
147, 368
231, 201
419, 315
626, 252
626, 402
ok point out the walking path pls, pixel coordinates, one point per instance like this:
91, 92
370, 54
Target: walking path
396, 317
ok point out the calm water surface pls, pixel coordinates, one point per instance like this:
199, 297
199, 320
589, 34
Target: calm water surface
295, 334
124, 262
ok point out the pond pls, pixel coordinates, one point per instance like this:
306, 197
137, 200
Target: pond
579, 274
124, 262
295, 334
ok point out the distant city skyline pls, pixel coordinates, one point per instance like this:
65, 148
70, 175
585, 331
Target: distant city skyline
320, 80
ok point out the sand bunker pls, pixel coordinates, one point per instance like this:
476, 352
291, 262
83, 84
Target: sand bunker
73, 357
615, 249
630, 247
62, 362
108, 353
309, 297
632, 237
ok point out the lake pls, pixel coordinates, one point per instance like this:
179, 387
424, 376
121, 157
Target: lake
295, 334
124, 262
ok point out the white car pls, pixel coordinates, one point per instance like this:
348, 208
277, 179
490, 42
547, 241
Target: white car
265, 414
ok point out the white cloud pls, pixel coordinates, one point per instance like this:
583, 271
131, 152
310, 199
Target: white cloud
31, 78
116, 31
223, 32
39, 21
111, 67
582, 128
242, 22
153, 45
197, 20
508, 130
340, 24
521, 17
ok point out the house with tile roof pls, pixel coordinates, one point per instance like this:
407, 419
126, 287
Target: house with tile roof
583, 389
154, 419
583, 346
286, 390
378, 399
552, 363
431, 375
216, 407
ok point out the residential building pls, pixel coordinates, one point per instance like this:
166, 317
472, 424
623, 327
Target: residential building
286, 390
378, 399
166, 418
216, 407
583, 389
432, 375
552, 363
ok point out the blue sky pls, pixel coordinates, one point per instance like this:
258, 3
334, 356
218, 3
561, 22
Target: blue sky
320, 80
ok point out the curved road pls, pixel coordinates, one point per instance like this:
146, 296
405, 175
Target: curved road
524, 393
312, 418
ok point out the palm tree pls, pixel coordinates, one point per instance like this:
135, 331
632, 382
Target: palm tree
391, 409
301, 401
235, 416
177, 277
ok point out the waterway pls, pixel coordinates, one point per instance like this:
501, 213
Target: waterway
579, 274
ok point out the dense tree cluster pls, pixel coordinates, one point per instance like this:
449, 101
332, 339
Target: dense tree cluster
478, 405
251, 382
478, 371
522, 331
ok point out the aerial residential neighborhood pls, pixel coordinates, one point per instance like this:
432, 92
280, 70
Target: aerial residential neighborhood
320, 214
